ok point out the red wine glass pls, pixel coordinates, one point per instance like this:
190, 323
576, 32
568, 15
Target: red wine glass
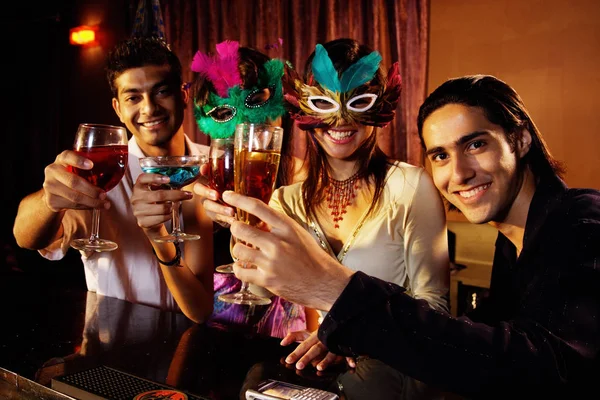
106, 147
221, 176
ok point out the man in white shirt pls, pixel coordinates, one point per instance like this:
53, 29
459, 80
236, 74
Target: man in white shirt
149, 98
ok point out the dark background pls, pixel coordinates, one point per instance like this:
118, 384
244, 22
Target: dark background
50, 87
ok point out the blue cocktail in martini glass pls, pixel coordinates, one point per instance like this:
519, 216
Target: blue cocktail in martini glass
182, 171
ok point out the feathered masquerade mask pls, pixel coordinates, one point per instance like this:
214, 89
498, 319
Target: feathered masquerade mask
346, 99
232, 105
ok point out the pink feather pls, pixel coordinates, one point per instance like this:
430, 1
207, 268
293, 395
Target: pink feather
228, 49
221, 69
201, 62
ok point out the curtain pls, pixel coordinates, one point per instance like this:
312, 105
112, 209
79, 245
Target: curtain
397, 29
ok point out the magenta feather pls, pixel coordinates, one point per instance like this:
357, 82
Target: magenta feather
227, 49
201, 62
221, 69
394, 79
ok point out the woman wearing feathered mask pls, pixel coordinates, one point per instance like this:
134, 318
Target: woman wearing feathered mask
371, 213
232, 86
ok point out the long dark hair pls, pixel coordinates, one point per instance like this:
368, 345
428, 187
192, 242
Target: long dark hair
251, 61
372, 161
502, 106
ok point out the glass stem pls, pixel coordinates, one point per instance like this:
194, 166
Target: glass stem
231, 244
176, 228
95, 225
245, 287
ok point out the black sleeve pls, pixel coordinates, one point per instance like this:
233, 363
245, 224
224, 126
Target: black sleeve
378, 319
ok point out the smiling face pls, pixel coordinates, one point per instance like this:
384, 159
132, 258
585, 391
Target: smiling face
341, 142
151, 104
473, 165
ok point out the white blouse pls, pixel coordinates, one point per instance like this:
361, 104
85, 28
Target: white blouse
404, 241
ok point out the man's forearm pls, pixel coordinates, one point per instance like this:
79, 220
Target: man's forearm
378, 319
36, 226
332, 286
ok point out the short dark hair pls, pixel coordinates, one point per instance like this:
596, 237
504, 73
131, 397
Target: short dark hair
140, 51
502, 106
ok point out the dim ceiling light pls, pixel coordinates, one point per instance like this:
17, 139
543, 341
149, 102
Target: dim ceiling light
83, 35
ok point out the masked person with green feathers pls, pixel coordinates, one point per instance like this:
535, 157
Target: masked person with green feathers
373, 214
233, 86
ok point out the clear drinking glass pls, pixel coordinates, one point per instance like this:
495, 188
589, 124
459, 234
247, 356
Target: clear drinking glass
182, 171
220, 177
256, 161
106, 147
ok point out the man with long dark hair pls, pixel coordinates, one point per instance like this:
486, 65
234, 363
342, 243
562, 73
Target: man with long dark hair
539, 330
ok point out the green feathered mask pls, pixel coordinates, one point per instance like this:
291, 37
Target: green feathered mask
231, 105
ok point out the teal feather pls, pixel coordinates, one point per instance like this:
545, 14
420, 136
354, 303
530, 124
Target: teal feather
360, 72
324, 71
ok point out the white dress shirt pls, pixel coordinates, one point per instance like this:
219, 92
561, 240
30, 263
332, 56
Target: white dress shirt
132, 271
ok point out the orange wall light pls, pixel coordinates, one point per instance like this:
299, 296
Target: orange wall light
84, 36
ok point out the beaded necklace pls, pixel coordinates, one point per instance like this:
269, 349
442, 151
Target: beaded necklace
341, 194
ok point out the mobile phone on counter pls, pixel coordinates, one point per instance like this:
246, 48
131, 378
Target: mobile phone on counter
277, 390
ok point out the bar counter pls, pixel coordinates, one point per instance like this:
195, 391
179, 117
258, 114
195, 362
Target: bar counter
48, 332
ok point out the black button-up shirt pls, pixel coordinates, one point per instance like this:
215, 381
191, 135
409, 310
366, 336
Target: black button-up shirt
537, 332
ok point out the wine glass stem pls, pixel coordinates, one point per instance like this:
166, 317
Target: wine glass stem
231, 244
176, 228
95, 225
245, 287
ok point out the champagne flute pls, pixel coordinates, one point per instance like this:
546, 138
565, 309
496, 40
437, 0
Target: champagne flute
256, 161
182, 171
220, 177
106, 147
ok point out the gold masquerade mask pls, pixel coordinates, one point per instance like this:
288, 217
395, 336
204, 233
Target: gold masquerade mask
337, 99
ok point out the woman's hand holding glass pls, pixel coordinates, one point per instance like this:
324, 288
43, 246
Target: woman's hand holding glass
217, 211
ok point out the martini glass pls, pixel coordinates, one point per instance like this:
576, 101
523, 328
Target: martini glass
256, 161
106, 147
182, 171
